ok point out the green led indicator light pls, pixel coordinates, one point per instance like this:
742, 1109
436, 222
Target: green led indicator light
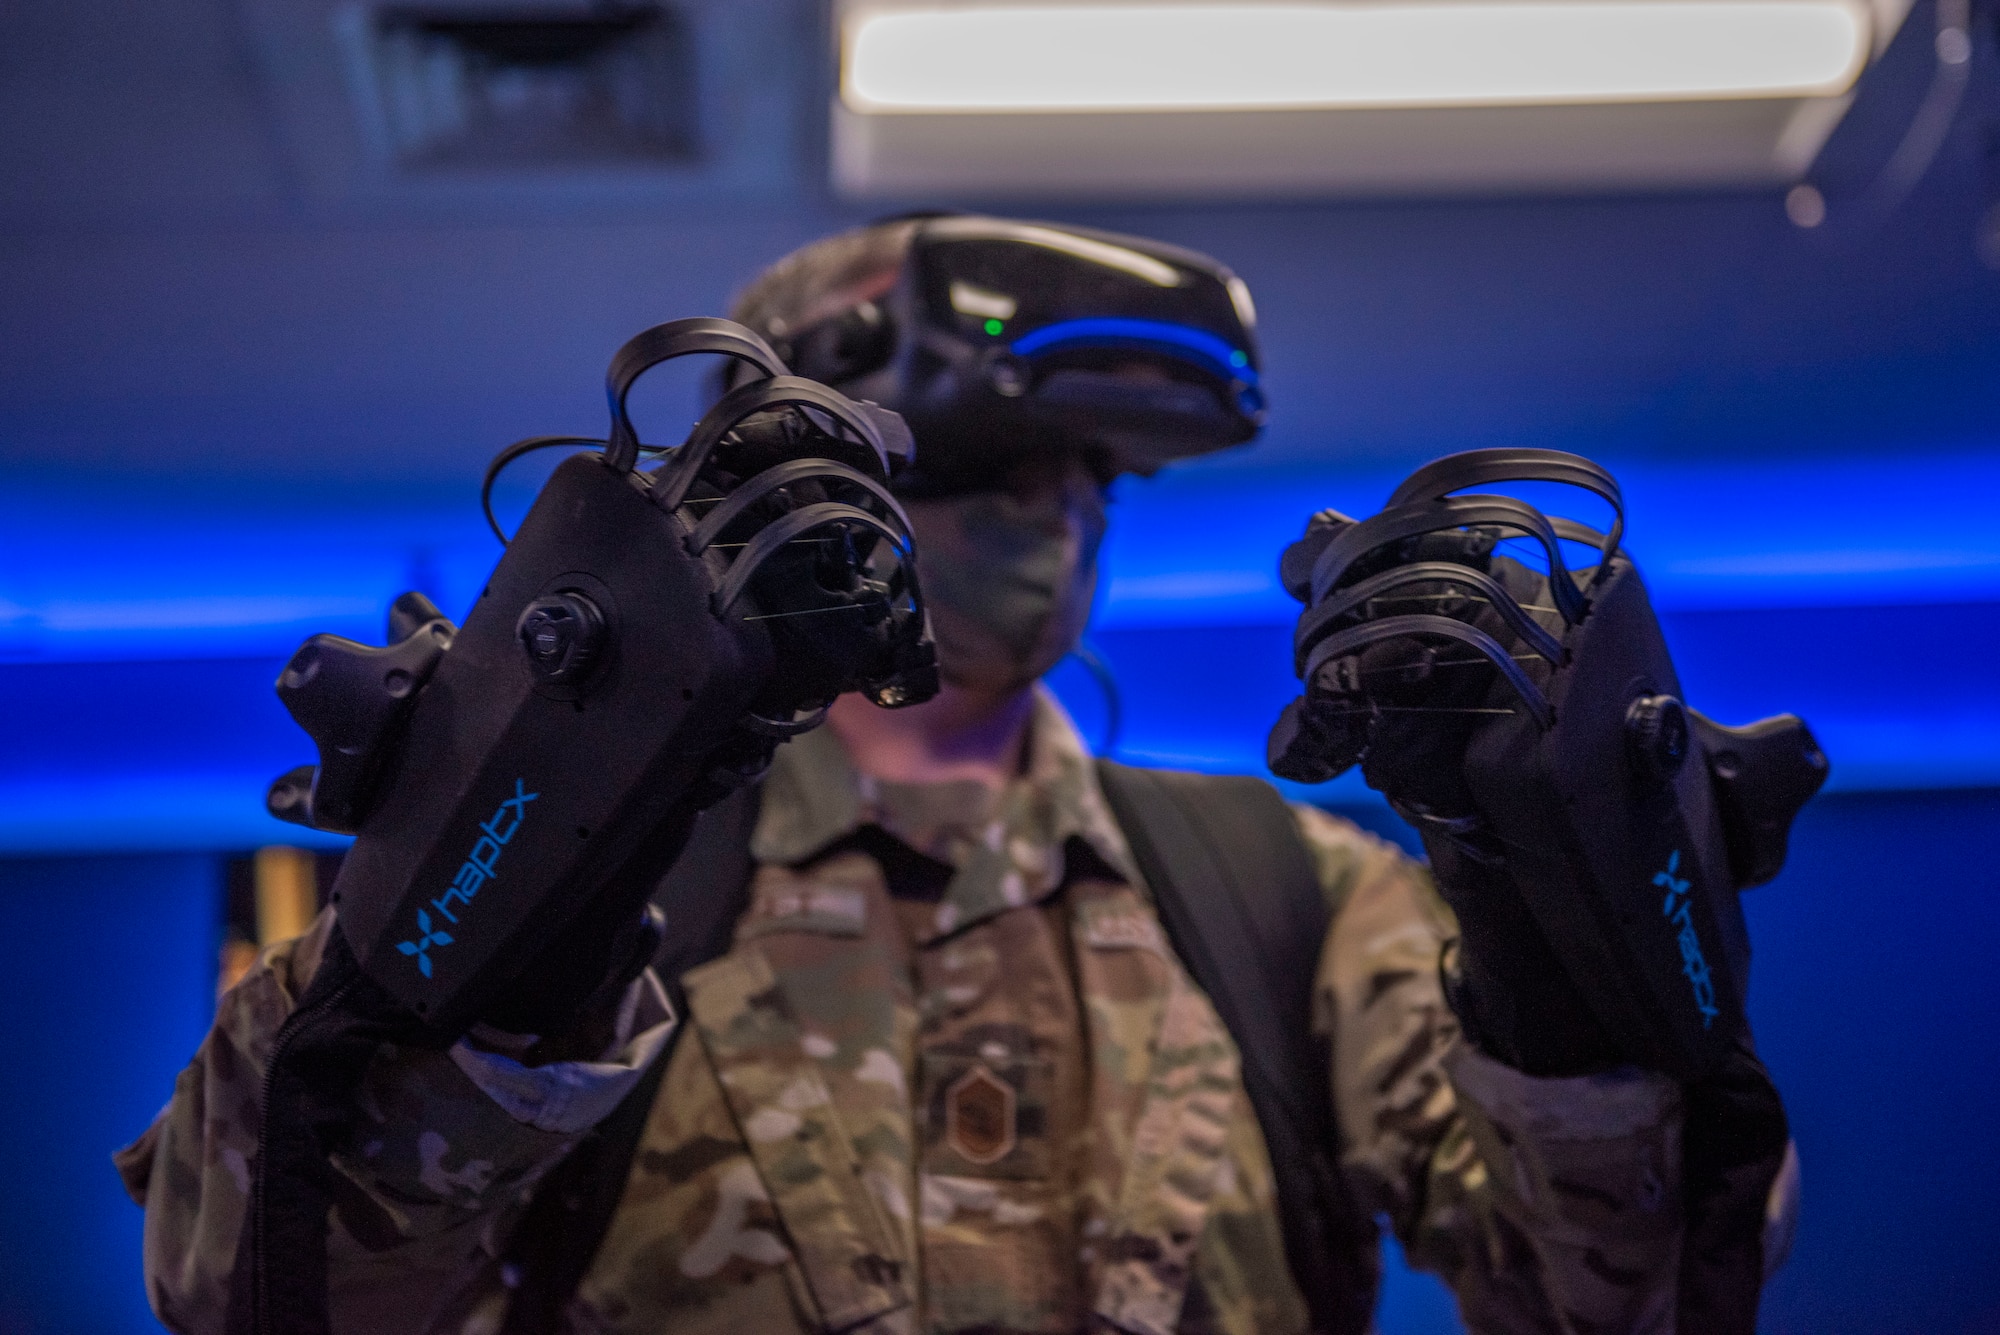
1238, 359
994, 327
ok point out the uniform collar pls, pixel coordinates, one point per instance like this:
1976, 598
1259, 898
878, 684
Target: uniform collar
1007, 848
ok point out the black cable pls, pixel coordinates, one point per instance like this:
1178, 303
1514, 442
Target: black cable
1107, 681
525, 447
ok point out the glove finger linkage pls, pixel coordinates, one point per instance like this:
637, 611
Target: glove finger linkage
1413, 702
1404, 705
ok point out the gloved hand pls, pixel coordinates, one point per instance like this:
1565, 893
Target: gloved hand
518, 785
1588, 830
1591, 831
1406, 711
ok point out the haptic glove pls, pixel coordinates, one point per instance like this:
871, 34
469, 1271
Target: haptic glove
1589, 830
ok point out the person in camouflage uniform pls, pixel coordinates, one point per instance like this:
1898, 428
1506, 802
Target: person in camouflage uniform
950, 1076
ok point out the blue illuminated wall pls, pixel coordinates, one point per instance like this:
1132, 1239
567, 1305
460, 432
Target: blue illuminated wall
146, 624
107, 983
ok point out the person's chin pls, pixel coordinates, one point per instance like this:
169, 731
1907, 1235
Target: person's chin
984, 683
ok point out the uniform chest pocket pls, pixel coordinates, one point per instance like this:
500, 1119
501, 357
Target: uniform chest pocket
987, 1115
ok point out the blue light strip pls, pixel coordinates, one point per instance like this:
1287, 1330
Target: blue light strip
141, 631
87, 577
1179, 340
1855, 532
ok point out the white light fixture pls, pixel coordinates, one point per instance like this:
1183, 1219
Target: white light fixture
1150, 99
1002, 58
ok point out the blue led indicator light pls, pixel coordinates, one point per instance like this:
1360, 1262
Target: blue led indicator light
1193, 345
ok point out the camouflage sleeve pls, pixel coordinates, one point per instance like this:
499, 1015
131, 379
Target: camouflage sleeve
447, 1145
1546, 1204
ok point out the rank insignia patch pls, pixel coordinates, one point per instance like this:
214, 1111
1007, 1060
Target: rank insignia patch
979, 1117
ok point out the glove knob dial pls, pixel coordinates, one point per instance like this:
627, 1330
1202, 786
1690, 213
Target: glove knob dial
563, 635
1656, 736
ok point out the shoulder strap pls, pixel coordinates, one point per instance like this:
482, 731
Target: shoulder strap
1237, 892
551, 1249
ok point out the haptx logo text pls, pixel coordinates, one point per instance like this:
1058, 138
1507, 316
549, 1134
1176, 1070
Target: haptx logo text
478, 868
1693, 963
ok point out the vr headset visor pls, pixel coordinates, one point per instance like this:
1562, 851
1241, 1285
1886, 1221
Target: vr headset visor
1001, 339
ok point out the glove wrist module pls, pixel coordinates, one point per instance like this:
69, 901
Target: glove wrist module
1590, 831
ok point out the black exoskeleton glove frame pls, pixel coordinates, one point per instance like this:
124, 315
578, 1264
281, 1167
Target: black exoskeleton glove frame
644, 642
1591, 830
518, 785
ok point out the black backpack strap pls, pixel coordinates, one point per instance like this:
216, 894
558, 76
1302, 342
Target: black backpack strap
551, 1249
1237, 892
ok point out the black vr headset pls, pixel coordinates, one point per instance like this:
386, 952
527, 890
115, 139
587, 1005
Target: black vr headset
1004, 338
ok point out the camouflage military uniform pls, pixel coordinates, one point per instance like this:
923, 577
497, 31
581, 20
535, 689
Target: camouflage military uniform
952, 1082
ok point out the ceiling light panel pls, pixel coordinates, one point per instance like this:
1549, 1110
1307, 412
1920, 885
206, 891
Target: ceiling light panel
997, 58
1038, 100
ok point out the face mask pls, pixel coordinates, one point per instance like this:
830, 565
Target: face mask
1008, 576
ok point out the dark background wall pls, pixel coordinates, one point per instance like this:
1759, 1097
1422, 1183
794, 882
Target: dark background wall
241, 402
